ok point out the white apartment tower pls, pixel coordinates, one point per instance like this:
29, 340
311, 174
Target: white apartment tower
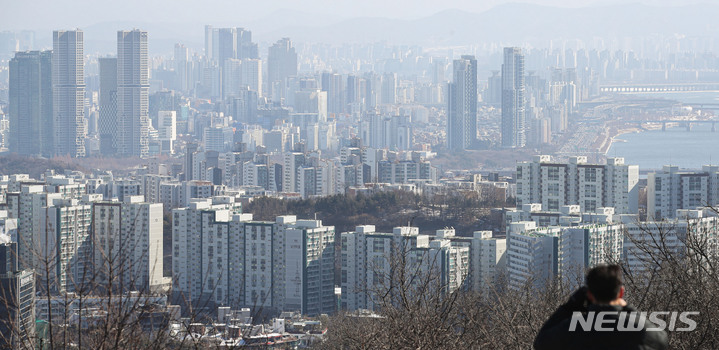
167, 128
369, 257
224, 257
309, 262
590, 186
66, 245
671, 189
127, 239
489, 261
537, 255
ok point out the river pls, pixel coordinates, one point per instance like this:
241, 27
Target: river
676, 146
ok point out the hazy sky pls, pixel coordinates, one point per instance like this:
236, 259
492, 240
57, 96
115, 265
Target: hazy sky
55, 14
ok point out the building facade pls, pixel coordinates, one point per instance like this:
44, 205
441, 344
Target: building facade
671, 189
133, 87
513, 109
68, 83
462, 105
591, 186
30, 104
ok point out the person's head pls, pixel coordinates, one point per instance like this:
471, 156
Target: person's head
605, 284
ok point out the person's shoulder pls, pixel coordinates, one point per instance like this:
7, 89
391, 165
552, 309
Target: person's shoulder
652, 337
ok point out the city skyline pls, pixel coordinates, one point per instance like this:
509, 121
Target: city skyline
393, 162
453, 26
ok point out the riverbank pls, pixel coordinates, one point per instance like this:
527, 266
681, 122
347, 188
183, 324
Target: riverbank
652, 149
611, 135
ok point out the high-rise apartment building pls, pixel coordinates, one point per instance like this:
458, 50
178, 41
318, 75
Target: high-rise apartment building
245, 48
30, 104
132, 93
222, 45
488, 261
226, 258
107, 121
251, 76
28, 205
182, 67
224, 41
66, 245
332, 84
649, 244
167, 128
671, 189
127, 244
17, 300
513, 114
591, 186
462, 105
309, 256
231, 77
281, 64
537, 255
370, 262
68, 82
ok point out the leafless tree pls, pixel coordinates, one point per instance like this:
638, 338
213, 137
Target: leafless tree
673, 268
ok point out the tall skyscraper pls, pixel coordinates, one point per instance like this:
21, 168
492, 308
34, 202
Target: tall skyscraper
388, 89
132, 93
332, 83
281, 64
252, 75
68, 80
245, 49
107, 123
462, 105
513, 119
231, 77
181, 58
223, 43
30, 109
208, 41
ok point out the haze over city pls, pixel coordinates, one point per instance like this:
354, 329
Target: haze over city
357, 174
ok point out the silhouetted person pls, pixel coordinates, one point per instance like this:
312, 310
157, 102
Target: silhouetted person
604, 293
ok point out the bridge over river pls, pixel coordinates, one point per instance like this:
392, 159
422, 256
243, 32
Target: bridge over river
665, 87
681, 122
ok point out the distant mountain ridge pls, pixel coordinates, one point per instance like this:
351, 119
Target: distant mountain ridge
508, 24
518, 23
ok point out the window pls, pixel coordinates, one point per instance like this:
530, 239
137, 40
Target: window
553, 205
553, 189
553, 173
695, 200
590, 205
590, 191
590, 174
658, 183
695, 183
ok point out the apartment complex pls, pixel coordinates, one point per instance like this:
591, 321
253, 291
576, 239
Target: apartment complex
671, 189
224, 257
591, 186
